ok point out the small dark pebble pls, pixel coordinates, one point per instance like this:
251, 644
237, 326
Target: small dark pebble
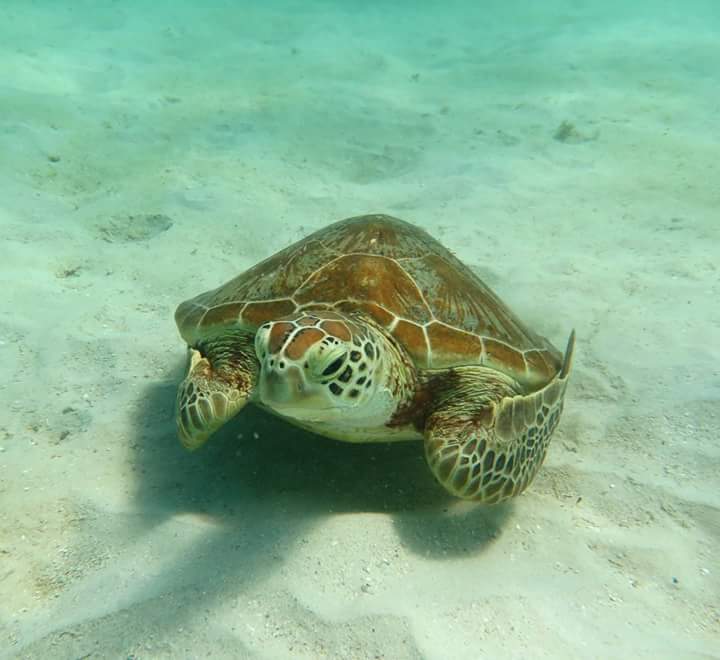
54, 158
675, 580
68, 272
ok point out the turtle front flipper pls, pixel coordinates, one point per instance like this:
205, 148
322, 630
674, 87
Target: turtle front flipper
487, 439
220, 380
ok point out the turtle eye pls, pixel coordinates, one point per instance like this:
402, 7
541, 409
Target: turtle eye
334, 366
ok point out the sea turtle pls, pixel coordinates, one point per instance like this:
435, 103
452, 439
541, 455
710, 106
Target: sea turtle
369, 330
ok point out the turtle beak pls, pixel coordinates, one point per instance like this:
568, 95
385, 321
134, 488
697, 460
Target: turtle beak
278, 388
289, 394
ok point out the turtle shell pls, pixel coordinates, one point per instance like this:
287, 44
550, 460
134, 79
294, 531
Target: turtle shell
394, 272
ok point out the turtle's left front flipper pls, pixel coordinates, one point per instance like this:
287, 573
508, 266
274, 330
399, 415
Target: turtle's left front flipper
487, 439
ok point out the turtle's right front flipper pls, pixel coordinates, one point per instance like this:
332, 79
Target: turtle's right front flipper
221, 378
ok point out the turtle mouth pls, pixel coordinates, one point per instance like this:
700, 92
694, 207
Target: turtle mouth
291, 395
285, 388
281, 388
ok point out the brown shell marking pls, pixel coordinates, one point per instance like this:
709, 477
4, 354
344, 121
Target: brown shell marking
367, 277
396, 273
455, 345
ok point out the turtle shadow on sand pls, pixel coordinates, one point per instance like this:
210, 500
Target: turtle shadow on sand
261, 485
261, 461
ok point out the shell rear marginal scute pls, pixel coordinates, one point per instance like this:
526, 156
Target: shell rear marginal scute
412, 336
256, 313
381, 315
448, 344
227, 312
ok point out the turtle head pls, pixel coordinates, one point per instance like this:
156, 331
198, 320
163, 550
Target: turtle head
319, 366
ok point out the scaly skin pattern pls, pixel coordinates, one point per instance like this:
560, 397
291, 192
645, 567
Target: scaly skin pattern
485, 440
221, 378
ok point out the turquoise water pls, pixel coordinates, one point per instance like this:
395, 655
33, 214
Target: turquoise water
566, 151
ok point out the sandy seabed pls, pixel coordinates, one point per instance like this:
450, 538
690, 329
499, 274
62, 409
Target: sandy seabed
568, 154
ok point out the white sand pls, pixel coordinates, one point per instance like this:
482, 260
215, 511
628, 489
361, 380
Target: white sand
247, 129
